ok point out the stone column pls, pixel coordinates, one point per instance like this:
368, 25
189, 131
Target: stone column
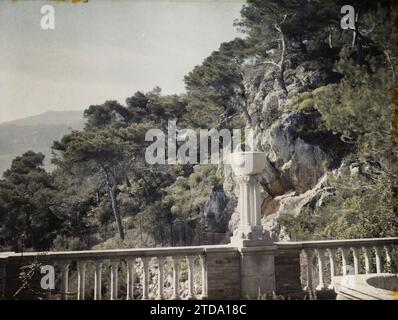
250, 230
257, 252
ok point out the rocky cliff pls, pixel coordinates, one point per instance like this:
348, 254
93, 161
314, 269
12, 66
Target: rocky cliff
300, 151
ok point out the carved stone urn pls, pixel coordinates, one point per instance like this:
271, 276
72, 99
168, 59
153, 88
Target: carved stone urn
247, 165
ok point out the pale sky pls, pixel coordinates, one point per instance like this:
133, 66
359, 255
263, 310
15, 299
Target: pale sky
103, 50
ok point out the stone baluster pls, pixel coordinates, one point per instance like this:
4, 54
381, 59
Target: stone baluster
160, 277
388, 255
321, 266
81, 279
356, 260
98, 280
130, 279
204, 275
176, 271
64, 265
332, 259
114, 279
190, 261
344, 260
367, 255
308, 253
145, 278
378, 259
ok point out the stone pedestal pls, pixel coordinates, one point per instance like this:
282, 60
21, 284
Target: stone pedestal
257, 272
255, 245
246, 166
223, 273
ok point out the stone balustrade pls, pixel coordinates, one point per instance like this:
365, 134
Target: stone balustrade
149, 262
203, 272
323, 260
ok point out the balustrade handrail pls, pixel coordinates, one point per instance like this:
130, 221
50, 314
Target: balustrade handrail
300, 245
190, 250
117, 253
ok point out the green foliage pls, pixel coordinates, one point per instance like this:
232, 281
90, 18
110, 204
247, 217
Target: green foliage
359, 107
63, 243
215, 89
27, 219
108, 158
362, 207
140, 107
303, 102
188, 195
305, 18
366, 209
306, 27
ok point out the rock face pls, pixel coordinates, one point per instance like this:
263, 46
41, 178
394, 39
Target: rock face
218, 211
293, 204
299, 151
293, 163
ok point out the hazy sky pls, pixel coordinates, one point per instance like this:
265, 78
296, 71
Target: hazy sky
103, 50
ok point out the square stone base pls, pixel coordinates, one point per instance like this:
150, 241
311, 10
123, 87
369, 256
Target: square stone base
257, 272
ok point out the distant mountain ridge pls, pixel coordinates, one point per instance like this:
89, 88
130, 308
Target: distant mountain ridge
36, 133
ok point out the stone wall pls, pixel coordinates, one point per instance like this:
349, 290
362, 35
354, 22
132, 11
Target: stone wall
223, 273
237, 274
287, 274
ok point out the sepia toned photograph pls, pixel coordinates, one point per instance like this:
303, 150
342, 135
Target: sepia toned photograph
198, 150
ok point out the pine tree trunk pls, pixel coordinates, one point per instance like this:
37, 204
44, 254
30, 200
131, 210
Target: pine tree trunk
281, 63
141, 240
394, 142
115, 210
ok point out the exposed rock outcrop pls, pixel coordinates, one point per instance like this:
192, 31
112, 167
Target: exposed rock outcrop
293, 204
218, 211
